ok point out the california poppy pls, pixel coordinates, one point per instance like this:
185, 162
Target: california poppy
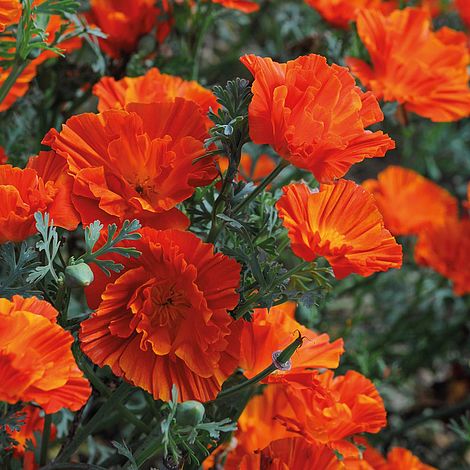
20, 87
24, 193
152, 87
3, 156
10, 11
292, 453
36, 362
424, 71
33, 419
165, 320
273, 330
403, 458
125, 22
446, 249
250, 169
126, 164
335, 408
463, 7
342, 223
246, 6
341, 13
313, 115
409, 202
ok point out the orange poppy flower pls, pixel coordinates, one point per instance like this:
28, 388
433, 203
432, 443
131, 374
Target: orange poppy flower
273, 330
20, 87
313, 115
23, 193
249, 169
10, 11
125, 22
292, 453
3, 156
36, 362
165, 320
463, 7
341, 13
409, 202
399, 458
126, 164
245, 6
446, 249
425, 71
33, 423
342, 223
151, 88
335, 408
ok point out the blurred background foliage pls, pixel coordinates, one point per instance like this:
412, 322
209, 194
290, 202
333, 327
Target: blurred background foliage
404, 329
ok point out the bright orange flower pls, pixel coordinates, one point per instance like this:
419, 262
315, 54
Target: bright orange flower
20, 87
341, 13
249, 169
245, 6
33, 423
446, 249
409, 202
3, 156
165, 320
127, 164
463, 7
425, 71
273, 330
36, 362
342, 223
402, 459
24, 192
151, 88
335, 408
10, 11
313, 115
292, 453
125, 22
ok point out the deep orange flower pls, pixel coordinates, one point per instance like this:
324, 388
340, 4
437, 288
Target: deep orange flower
127, 164
36, 362
10, 11
342, 12
446, 249
33, 423
335, 408
125, 22
292, 453
409, 202
399, 458
151, 88
3, 156
245, 6
249, 169
24, 192
463, 7
425, 71
165, 320
313, 115
342, 223
20, 87
273, 330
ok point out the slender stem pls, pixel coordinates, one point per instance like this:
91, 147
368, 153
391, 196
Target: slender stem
101, 387
46, 434
282, 164
15, 72
208, 17
283, 357
121, 393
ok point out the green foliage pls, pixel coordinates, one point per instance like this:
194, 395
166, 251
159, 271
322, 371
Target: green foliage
127, 232
11, 419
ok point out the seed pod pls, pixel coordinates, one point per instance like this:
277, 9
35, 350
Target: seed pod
78, 275
190, 413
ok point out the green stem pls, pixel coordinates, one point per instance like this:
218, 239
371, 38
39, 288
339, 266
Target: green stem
208, 17
16, 70
46, 434
119, 396
283, 357
101, 387
261, 187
